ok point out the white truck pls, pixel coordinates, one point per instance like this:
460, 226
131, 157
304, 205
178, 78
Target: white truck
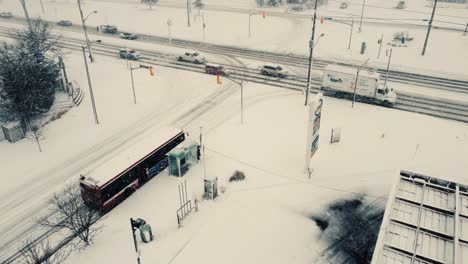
340, 81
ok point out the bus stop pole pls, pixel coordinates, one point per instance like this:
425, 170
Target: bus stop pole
134, 241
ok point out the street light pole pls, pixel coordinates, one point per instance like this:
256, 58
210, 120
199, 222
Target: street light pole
311, 45
204, 25
362, 14
380, 48
355, 83
351, 33
83, 20
242, 97
133, 85
429, 28
188, 13
250, 15
26, 15
388, 66
90, 86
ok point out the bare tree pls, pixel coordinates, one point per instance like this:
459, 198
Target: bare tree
72, 214
42, 252
37, 135
150, 3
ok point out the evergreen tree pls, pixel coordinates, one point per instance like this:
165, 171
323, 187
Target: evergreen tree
29, 74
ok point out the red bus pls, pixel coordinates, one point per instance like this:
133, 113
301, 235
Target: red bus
110, 183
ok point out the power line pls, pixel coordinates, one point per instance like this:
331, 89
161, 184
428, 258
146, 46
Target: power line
291, 178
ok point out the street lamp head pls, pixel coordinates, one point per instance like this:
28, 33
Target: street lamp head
97, 41
94, 12
323, 34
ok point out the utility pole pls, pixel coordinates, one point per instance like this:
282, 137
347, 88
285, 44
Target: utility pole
351, 33
429, 28
362, 14
380, 48
188, 13
466, 29
311, 46
88, 43
90, 86
388, 66
26, 14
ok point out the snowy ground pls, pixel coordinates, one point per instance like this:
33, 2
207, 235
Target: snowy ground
270, 211
266, 219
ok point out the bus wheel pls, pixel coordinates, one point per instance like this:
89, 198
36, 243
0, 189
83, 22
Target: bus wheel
129, 191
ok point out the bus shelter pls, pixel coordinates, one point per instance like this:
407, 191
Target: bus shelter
182, 158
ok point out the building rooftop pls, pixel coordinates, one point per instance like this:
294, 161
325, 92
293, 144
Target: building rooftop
426, 221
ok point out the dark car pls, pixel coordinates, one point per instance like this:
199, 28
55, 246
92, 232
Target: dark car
276, 71
64, 23
6, 15
110, 29
129, 54
126, 35
215, 69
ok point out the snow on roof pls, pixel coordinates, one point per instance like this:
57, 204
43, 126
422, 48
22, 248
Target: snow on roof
127, 157
11, 125
352, 70
426, 217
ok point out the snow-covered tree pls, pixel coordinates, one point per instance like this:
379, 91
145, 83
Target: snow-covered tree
29, 74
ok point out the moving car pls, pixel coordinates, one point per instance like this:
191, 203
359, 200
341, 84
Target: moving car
108, 29
127, 35
6, 15
215, 69
276, 71
343, 5
193, 57
130, 54
64, 23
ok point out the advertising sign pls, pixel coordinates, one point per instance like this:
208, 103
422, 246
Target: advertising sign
313, 127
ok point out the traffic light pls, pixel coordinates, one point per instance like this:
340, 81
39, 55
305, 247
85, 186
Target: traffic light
263, 14
218, 79
151, 70
321, 20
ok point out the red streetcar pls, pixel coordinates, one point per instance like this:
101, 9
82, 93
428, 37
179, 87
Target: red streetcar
106, 186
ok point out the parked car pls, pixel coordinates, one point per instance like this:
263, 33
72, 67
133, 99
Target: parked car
108, 29
215, 69
130, 54
344, 5
193, 57
401, 5
64, 23
126, 35
276, 71
6, 15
